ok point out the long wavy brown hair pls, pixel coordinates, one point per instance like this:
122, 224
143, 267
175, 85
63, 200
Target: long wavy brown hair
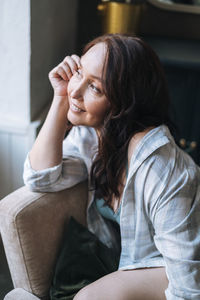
134, 84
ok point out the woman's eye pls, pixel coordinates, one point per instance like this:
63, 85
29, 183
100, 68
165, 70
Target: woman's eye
95, 89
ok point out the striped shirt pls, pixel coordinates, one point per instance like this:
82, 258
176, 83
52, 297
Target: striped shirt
160, 211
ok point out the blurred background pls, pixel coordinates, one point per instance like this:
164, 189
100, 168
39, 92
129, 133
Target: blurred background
35, 35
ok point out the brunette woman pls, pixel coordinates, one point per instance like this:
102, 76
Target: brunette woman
114, 101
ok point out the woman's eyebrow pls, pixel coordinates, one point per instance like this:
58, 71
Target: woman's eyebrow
96, 77
93, 76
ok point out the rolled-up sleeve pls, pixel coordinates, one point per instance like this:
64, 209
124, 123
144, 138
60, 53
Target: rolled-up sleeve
176, 221
72, 170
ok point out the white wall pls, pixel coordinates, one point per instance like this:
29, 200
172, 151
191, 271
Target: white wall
14, 61
34, 36
14, 145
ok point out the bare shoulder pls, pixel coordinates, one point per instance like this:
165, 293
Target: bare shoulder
135, 140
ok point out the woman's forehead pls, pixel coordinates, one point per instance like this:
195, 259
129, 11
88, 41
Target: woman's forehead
93, 60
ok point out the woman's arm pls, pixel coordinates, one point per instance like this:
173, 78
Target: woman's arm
176, 222
47, 149
72, 170
51, 164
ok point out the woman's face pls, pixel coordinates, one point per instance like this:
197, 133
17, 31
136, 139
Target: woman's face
87, 103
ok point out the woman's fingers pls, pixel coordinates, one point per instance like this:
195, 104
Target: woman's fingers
58, 73
63, 72
71, 64
77, 59
66, 68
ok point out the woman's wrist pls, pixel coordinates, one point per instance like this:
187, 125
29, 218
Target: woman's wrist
61, 103
60, 99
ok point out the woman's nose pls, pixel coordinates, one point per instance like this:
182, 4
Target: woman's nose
77, 91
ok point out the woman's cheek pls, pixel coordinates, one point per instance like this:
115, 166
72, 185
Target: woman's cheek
99, 108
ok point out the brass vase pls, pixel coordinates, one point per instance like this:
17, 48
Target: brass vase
120, 17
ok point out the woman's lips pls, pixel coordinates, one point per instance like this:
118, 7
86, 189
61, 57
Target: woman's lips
76, 108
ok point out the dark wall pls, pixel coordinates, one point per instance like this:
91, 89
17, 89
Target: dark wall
184, 88
88, 22
183, 78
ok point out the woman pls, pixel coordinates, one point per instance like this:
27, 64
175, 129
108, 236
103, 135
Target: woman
114, 101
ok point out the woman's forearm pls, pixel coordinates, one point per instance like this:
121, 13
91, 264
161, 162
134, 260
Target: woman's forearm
47, 149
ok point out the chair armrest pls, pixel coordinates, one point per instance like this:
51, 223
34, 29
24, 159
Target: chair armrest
32, 226
19, 294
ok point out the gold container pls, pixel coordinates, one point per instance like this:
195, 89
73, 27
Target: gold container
120, 17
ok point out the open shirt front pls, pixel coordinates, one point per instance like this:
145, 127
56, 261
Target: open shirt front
160, 212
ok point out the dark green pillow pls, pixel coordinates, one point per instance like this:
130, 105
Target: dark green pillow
82, 260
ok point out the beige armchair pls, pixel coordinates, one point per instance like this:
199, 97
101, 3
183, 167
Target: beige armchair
31, 226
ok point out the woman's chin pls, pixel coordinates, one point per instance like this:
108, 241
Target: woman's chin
74, 118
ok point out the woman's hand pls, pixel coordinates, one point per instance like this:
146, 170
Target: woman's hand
47, 149
61, 74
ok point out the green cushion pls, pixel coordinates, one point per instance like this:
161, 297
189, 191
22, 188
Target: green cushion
83, 259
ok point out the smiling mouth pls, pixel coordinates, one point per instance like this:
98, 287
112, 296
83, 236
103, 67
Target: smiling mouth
76, 108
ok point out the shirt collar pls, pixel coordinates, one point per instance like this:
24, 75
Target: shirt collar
153, 140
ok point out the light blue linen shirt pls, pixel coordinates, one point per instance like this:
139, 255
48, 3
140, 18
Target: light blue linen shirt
160, 211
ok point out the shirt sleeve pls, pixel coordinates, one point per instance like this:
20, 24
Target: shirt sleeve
175, 216
72, 170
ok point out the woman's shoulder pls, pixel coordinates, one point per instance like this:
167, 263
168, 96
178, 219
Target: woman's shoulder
146, 143
167, 173
135, 141
157, 152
